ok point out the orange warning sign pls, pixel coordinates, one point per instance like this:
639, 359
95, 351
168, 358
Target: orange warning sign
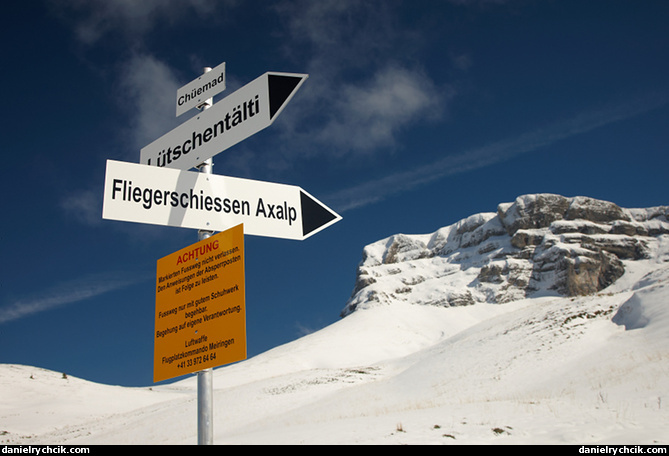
200, 306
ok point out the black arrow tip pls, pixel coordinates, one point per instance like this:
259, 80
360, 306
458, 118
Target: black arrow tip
281, 87
314, 214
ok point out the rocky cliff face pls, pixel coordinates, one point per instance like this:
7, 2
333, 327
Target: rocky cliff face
539, 244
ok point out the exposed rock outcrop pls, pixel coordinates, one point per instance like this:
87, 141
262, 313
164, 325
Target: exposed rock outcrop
541, 243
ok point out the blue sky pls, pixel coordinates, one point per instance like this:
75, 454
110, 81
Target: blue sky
415, 115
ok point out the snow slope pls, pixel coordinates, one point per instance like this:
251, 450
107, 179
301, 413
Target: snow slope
542, 370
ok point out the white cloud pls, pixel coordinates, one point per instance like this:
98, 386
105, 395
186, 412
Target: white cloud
367, 116
364, 86
65, 294
85, 206
145, 85
147, 90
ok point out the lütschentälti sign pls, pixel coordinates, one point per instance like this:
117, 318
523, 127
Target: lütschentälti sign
241, 114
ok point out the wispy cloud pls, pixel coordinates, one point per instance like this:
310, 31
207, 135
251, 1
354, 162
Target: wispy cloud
147, 89
497, 152
94, 19
369, 115
144, 85
84, 206
66, 293
365, 85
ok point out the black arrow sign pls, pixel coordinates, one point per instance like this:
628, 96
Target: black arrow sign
238, 116
281, 89
314, 214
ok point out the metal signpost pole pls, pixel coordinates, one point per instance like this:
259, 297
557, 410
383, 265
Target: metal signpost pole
205, 381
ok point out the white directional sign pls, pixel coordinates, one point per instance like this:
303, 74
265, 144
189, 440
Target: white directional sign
199, 90
233, 119
171, 197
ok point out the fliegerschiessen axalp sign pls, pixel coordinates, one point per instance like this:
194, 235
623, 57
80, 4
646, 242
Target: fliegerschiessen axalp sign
233, 119
188, 199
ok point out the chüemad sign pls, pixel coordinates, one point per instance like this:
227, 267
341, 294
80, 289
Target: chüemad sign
200, 306
233, 119
199, 90
187, 199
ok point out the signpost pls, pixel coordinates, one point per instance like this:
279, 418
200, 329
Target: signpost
205, 377
244, 113
170, 197
200, 306
200, 290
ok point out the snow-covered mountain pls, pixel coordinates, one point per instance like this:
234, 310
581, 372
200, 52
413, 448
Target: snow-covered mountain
546, 322
538, 245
